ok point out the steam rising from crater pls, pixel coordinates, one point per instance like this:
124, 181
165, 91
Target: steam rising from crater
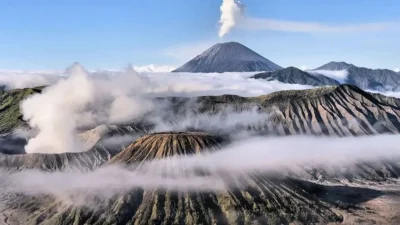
80, 101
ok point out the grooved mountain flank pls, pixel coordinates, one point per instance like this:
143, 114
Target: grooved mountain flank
55, 162
228, 57
264, 200
162, 145
94, 154
343, 110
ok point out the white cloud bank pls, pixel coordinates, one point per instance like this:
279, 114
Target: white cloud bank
339, 75
224, 168
24, 79
198, 84
396, 70
154, 68
81, 100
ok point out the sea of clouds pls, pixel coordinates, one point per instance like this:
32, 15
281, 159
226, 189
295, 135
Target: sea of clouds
80, 99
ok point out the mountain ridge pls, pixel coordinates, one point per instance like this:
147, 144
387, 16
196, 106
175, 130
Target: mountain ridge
293, 75
366, 78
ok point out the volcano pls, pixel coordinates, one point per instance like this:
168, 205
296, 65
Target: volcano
228, 57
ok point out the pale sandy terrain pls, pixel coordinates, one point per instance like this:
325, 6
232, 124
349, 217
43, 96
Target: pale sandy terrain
383, 209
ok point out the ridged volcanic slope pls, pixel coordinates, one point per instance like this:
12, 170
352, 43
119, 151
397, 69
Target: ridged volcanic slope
162, 145
228, 57
333, 111
266, 200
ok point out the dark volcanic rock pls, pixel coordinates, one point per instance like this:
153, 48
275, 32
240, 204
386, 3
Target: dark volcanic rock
228, 57
292, 75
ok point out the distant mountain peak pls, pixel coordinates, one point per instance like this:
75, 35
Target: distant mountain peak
333, 65
228, 57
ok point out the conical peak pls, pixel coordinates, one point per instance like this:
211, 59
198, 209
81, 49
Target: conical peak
232, 49
228, 57
166, 144
230, 44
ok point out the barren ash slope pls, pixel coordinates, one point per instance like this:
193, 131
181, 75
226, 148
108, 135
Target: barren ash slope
333, 111
95, 155
228, 57
343, 110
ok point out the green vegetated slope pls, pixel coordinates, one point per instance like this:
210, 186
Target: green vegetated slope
10, 115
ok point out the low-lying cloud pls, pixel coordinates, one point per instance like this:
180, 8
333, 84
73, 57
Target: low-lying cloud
154, 68
220, 168
21, 79
226, 121
83, 100
205, 84
339, 75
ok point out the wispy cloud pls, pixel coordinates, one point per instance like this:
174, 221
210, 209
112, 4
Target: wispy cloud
339, 75
232, 15
313, 27
154, 68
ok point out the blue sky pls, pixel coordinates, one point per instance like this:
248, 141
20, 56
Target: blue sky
48, 34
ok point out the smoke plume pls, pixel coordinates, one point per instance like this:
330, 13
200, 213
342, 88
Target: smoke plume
81, 101
231, 14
